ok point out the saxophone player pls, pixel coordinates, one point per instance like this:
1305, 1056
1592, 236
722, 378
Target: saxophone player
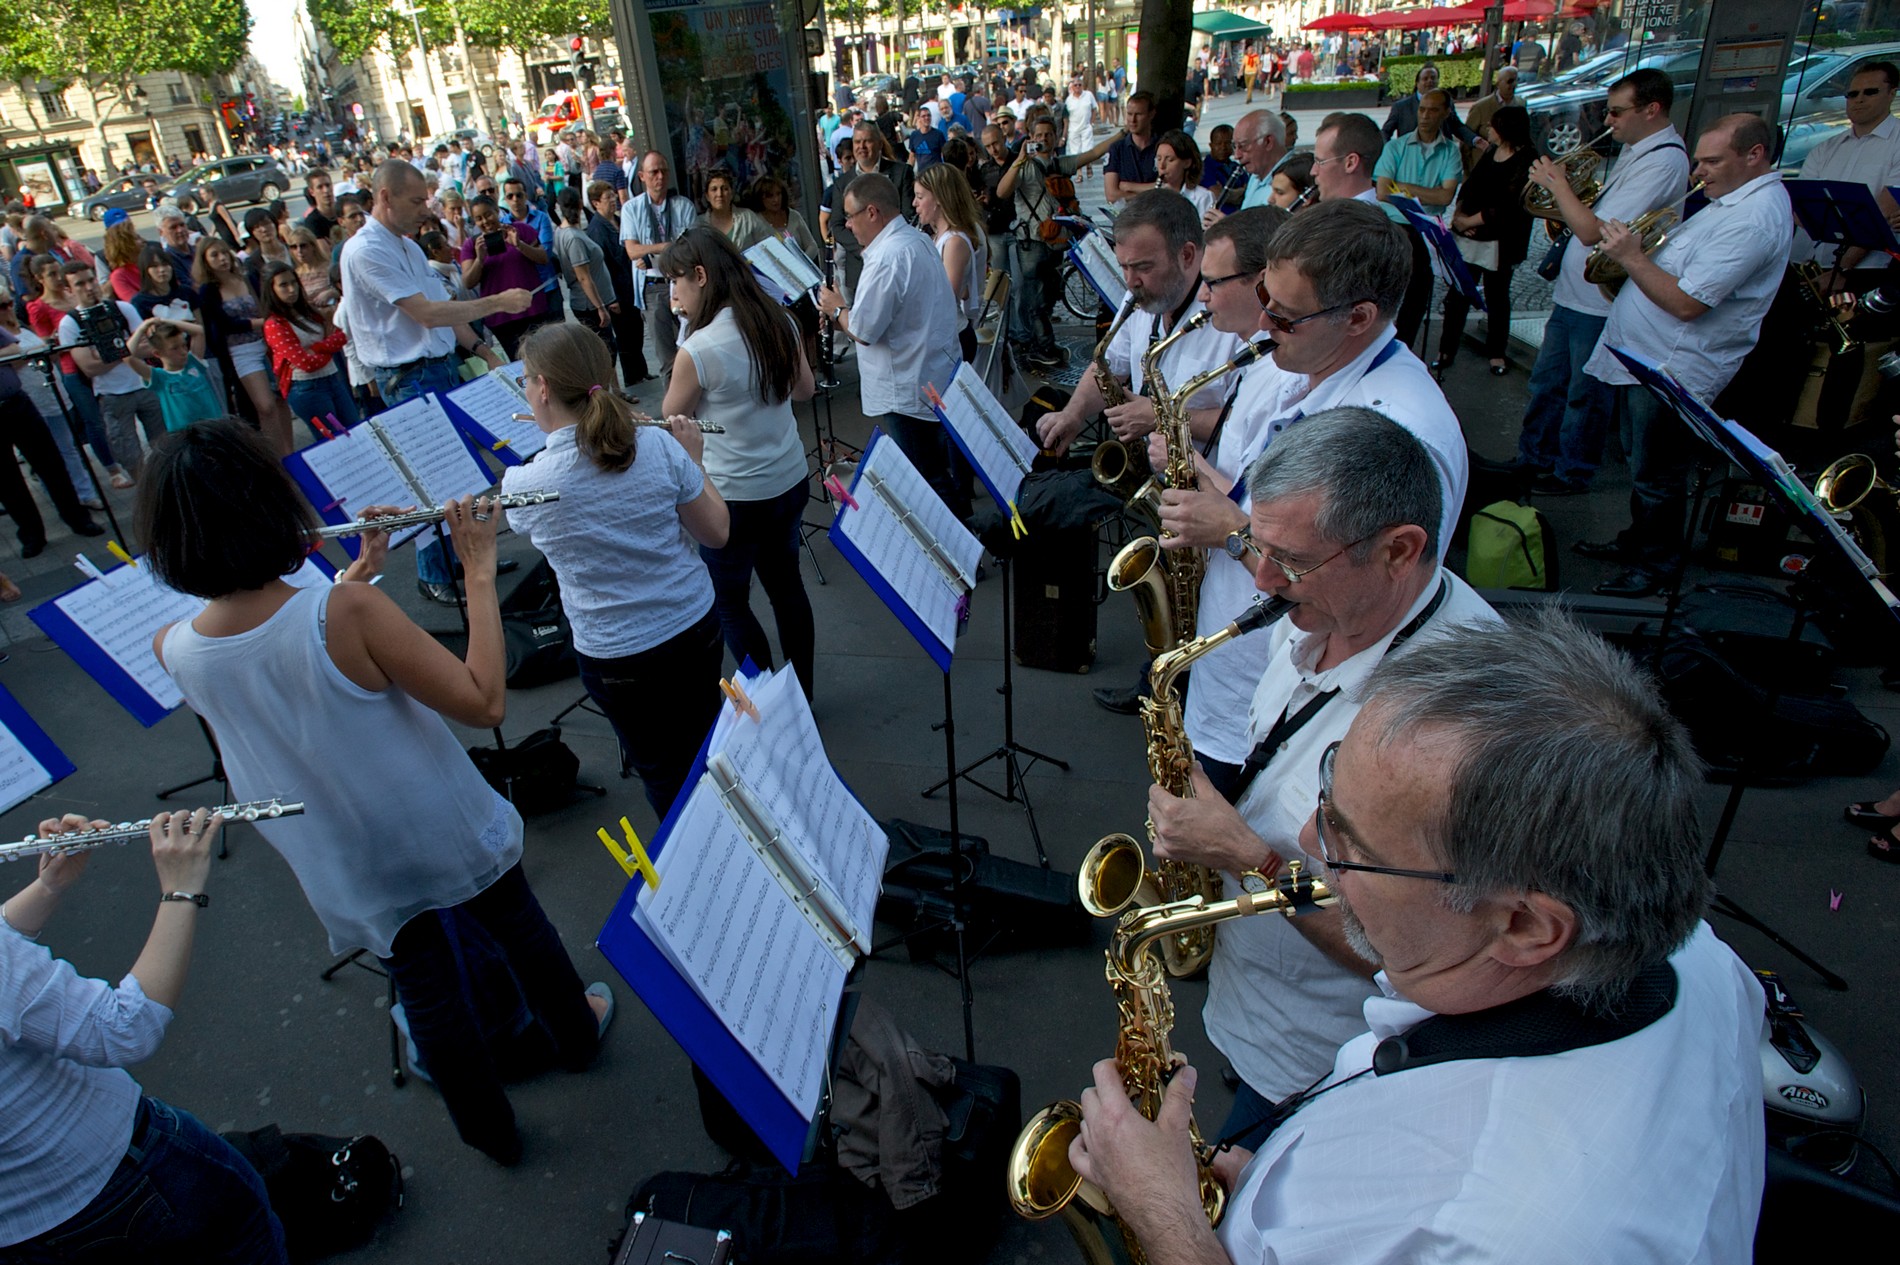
1508, 821
1347, 512
1697, 306
1313, 264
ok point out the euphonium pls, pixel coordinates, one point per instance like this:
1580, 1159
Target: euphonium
1651, 227
1042, 1181
1167, 585
1580, 167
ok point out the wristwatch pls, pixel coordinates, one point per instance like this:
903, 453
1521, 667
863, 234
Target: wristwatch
196, 898
1239, 543
1255, 883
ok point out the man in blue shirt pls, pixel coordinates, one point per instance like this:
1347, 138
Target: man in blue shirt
1425, 165
514, 195
1130, 166
925, 143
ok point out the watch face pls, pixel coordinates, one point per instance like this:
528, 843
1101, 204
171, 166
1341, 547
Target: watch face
1236, 546
1254, 882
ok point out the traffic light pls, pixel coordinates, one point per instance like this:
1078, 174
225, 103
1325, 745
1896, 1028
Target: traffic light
574, 47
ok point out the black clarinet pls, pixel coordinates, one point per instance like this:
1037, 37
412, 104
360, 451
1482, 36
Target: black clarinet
1227, 188
826, 349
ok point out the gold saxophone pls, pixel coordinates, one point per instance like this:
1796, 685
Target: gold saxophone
1042, 1181
1114, 467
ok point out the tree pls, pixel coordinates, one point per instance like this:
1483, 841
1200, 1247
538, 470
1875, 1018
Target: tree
524, 25
1167, 36
103, 46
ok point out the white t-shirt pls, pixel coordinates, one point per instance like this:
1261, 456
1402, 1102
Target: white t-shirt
121, 378
760, 455
970, 292
1206, 348
1080, 107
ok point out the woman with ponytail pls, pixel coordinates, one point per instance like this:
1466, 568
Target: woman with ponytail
637, 595
741, 367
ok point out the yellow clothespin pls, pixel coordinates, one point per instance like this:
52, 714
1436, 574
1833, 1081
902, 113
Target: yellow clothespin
113, 548
499, 445
1017, 527
635, 862
732, 690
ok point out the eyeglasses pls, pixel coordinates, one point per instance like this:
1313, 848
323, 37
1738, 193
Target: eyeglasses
1213, 283
1321, 162
1293, 576
1325, 813
1283, 324
1854, 94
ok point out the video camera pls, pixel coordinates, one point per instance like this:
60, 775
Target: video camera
102, 328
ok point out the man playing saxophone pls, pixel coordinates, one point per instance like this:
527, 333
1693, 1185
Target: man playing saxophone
1329, 284
1569, 413
1347, 512
1508, 821
1697, 307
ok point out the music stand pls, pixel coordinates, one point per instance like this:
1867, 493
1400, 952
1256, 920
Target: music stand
1450, 263
1797, 501
1840, 213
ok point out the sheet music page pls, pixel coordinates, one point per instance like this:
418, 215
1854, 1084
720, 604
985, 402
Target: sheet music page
781, 758
493, 403
1002, 450
790, 273
1096, 258
722, 919
887, 543
121, 613
358, 473
21, 773
422, 432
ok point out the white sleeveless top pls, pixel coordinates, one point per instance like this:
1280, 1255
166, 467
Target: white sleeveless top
396, 819
970, 288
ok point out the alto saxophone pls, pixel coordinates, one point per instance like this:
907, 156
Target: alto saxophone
1042, 1181
1113, 465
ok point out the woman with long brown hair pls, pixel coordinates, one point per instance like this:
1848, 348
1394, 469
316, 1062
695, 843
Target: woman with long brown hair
235, 322
637, 596
947, 208
741, 367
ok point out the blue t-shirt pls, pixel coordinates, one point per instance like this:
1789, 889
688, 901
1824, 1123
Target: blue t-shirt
928, 145
186, 396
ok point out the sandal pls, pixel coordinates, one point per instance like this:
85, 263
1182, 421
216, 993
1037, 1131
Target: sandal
121, 480
1867, 813
1884, 847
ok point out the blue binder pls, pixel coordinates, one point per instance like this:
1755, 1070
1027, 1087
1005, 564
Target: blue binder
34, 739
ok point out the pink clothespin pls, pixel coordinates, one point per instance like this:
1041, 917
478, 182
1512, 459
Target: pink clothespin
838, 490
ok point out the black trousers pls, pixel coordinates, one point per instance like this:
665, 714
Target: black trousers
22, 427
1497, 305
661, 702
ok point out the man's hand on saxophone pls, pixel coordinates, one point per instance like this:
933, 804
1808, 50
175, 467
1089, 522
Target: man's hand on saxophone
1132, 420
1204, 829
1146, 1169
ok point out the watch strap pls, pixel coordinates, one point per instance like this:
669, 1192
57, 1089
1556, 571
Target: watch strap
195, 898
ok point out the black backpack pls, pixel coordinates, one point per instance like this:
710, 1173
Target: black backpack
330, 1193
535, 632
538, 774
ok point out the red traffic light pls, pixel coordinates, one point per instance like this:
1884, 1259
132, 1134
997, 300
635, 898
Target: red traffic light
577, 43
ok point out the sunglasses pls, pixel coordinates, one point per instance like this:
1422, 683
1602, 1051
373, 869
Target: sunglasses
1285, 325
1854, 94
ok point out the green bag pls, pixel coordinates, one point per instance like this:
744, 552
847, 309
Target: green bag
1511, 547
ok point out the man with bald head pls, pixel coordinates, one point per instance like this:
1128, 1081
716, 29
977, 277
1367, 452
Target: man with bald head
651, 221
1259, 145
403, 325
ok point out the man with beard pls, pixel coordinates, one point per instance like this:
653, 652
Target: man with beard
1561, 1060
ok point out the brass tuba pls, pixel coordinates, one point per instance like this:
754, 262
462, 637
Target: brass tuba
1042, 1181
1652, 227
1849, 481
1581, 167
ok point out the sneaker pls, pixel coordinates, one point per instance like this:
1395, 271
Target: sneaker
1047, 359
87, 528
1635, 582
1122, 702
1602, 550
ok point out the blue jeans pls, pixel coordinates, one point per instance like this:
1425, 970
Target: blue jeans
1569, 412
1661, 450
434, 559
764, 538
661, 701
1032, 272
442, 1018
86, 409
181, 1194
328, 396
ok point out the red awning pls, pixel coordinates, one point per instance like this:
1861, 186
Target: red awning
1339, 22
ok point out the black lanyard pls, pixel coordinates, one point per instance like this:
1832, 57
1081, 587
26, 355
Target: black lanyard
1287, 726
661, 221
1220, 423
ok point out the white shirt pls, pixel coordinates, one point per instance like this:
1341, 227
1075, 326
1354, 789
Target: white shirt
1649, 1148
1194, 354
121, 378
1203, 199
905, 320
970, 292
759, 455
1872, 160
1080, 107
651, 223
1729, 256
1651, 173
630, 576
1276, 1006
380, 268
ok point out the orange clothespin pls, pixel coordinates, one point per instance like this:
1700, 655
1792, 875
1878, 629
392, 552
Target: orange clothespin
732, 690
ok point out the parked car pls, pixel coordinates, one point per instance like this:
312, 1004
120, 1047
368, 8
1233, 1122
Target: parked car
1804, 134
1817, 84
868, 87
472, 138
124, 193
1569, 115
245, 178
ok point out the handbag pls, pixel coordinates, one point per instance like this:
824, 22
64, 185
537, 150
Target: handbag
1478, 254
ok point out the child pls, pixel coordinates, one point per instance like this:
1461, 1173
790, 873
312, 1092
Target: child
303, 347
446, 261
180, 380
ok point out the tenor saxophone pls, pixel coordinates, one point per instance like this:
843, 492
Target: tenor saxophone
1042, 1181
1113, 465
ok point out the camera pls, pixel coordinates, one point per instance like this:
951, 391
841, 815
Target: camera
496, 241
102, 329
1034, 147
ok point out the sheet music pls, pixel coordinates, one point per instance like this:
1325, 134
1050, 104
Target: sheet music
722, 919
786, 267
888, 544
358, 473
422, 432
1095, 256
492, 403
781, 759
1000, 449
121, 613
21, 773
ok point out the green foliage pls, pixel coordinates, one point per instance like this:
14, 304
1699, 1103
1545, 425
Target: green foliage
358, 27
1849, 39
1350, 85
106, 44
525, 24
1455, 74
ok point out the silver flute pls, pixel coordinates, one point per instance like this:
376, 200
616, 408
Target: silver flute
422, 518
126, 831
705, 428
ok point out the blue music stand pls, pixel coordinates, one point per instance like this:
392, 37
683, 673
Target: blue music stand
1840, 213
